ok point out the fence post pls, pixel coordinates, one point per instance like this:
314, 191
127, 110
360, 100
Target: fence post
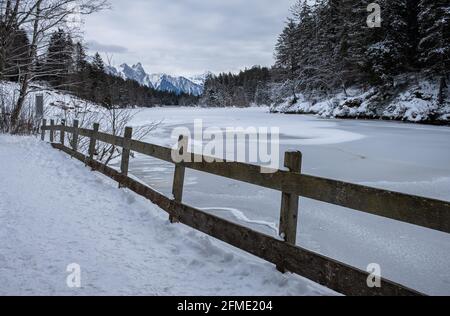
290, 203
62, 134
126, 152
75, 135
93, 141
178, 178
52, 131
44, 123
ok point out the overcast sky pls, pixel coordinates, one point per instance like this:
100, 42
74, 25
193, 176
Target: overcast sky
187, 37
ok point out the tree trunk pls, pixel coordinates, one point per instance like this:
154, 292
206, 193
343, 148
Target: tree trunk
21, 100
344, 88
7, 10
28, 72
2, 56
442, 90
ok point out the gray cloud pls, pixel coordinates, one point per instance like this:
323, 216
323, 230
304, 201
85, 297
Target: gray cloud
190, 36
105, 48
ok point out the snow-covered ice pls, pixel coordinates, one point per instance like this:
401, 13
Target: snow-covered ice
403, 157
55, 212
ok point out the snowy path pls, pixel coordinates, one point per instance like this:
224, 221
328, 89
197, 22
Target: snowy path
54, 212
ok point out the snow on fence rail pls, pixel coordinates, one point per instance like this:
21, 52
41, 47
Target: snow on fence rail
285, 254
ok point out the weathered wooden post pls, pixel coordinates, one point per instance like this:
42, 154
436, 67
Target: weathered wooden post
93, 141
62, 134
126, 152
178, 178
39, 106
75, 135
290, 203
44, 123
52, 131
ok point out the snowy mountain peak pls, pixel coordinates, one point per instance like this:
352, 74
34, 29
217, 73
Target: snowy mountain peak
200, 79
160, 81
139, 68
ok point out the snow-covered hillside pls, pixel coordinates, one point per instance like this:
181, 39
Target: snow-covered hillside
55, 212
413, 102
161, 81
57, 104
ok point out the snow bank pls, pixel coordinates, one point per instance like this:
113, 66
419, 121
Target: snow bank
55, 212
56, 103
412, 102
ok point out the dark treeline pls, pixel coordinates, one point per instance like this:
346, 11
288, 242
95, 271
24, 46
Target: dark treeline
66, 66
247, 87
13, 52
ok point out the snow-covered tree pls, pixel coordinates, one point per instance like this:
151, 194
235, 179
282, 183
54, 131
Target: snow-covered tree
59, 63
434, 45
286, 53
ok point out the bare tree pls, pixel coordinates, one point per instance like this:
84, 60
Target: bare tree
112, 121
39, 18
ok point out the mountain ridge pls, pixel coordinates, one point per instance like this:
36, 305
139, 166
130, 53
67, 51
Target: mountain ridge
160, 81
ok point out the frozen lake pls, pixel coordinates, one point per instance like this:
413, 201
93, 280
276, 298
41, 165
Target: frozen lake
402, 157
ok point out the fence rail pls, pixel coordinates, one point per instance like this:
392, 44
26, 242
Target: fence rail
425, 212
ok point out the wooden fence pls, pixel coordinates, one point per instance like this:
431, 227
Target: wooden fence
285, 254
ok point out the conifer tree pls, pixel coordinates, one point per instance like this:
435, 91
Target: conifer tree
59, 58
434, 45
286, 53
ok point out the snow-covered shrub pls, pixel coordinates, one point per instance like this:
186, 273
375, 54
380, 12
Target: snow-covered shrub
281, 92
112, 121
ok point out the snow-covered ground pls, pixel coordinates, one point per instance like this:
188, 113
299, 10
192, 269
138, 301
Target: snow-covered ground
403, 157
55, 212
